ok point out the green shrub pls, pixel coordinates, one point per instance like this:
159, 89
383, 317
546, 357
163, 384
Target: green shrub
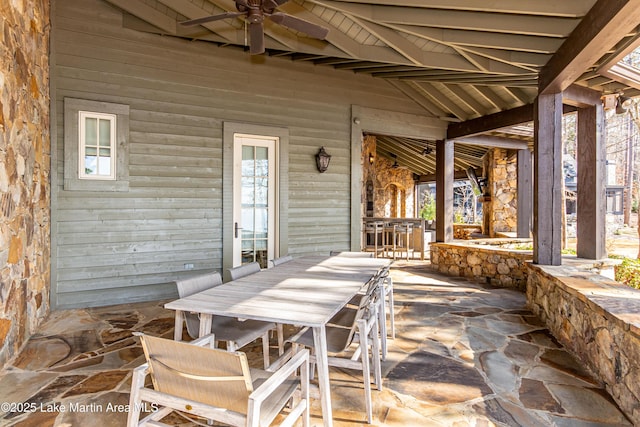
628, 272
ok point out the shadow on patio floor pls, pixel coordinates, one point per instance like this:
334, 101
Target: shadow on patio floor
465, 354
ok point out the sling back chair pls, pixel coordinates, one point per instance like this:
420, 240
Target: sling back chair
197, 380
246, 270
234, 332
348, 346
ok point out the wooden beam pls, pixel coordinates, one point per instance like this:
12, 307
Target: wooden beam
515, 116
591, 201
495, 142
491, 122
457, 176
548, 175
525, 194
581, 97
444, 191
605, 24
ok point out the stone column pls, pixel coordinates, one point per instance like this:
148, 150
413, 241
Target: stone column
25, 264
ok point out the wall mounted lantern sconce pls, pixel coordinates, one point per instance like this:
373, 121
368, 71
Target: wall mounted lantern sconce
622, 104
322, 160
372, 158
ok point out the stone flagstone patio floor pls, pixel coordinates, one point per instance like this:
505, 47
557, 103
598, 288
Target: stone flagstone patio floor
465, 355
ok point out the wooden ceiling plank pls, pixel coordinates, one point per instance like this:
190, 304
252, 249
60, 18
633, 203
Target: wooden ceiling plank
527, 60
464, 96
605, 24
336, 37
394, 40
443, 100
516, 42
222, 28
492, 97
519, 95
547, 26
148, 14
418, 98
531, 7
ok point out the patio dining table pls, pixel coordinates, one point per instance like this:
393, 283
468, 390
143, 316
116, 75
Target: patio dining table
307, 291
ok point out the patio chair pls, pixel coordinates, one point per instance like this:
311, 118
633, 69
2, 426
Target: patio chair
283, 259
349, 335
234, 332
196, 380
386, 301
246, 270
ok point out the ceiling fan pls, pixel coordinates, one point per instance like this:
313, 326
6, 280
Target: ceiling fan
254, 12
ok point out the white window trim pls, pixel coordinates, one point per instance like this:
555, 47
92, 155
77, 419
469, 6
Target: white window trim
73, 180
112, 118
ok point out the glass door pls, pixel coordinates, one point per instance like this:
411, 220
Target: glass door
254, 193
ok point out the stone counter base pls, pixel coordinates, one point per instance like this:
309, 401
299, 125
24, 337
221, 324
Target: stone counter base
598, 320
485, 264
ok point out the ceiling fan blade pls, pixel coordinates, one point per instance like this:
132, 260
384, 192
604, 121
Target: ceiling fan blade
211, 18
272, 4
310, 29
256, 38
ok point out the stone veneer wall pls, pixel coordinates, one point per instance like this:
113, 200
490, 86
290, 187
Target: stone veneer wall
383, 176
24, 171
486, 264
598, 320
501, 213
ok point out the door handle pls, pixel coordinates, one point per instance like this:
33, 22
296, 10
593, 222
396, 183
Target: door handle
236, 228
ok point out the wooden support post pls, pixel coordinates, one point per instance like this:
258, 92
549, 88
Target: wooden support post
525, 193
444, 191
591, 206
548, 176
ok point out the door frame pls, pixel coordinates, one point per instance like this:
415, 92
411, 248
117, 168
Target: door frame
229, 129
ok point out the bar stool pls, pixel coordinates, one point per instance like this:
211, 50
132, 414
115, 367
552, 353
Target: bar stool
402, 230
373, 230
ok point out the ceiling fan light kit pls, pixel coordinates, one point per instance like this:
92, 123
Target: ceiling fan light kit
254, 13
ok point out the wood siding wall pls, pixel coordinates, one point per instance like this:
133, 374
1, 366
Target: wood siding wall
113, 247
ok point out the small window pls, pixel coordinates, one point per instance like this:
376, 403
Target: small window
97, 145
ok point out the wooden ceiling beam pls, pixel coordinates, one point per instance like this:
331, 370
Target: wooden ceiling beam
502, 119
494, 142
459, 175
580, 96
491, 122
605, 24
